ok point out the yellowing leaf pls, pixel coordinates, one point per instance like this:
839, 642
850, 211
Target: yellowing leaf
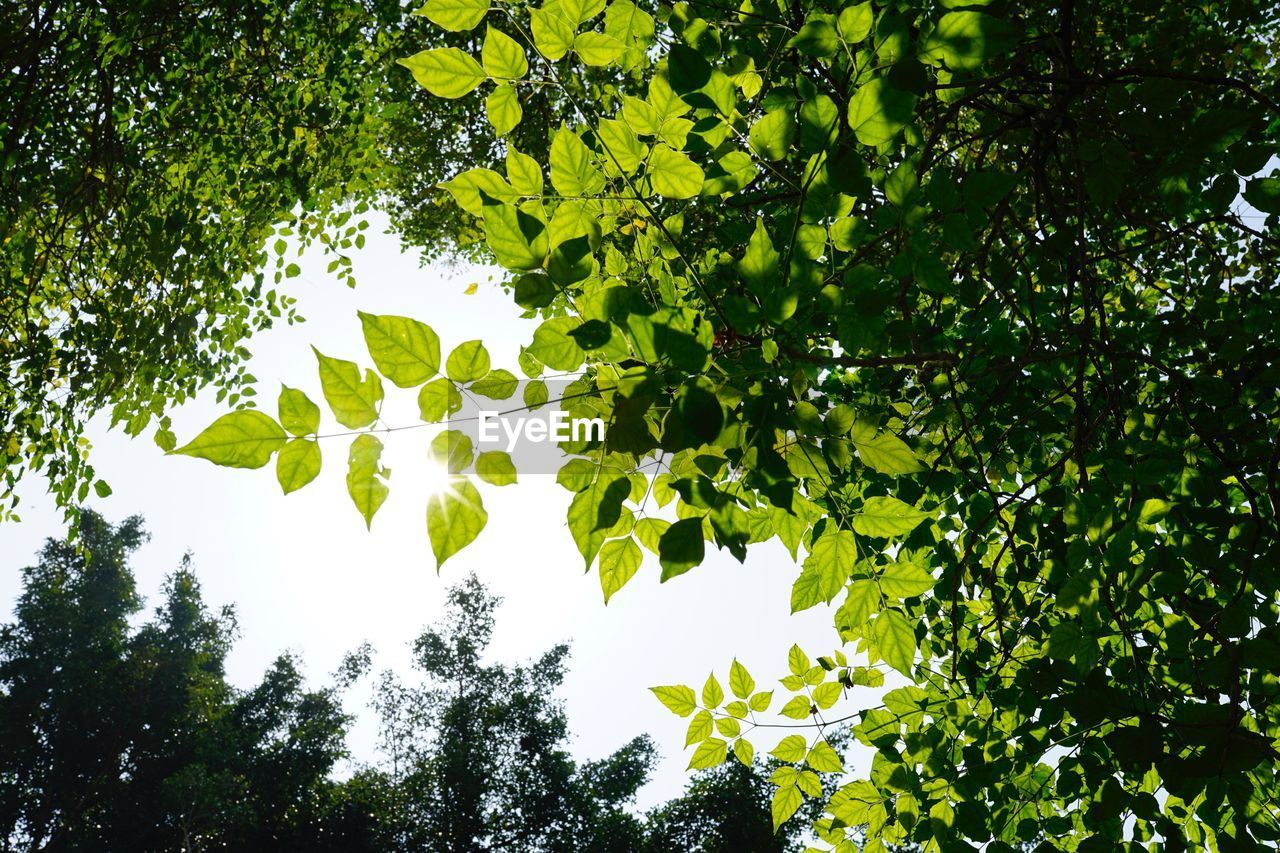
244, 439
744, 751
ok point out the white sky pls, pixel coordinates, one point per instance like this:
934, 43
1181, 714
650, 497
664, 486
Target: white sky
305, 575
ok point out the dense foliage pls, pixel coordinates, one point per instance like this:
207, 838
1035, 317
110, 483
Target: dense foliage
973, 302
116, 735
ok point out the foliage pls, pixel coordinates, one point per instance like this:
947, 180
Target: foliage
121, 739
477, 755
156, 158
963, 300
130, 738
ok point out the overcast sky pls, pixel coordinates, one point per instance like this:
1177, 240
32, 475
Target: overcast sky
305, 575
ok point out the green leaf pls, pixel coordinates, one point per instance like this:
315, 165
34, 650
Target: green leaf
829, 564
786, 801
518, 239
438, 399
598, 49
354, 402
861, 603
244, 439
712, 692
502, 56
759, 702
503, 109
700, 728
895, 640
740, 681
405, 351
791, 748
759, 266
445, 72
297, 464
552, 32
797, 708
495, 468
455, 15
102, 488
455, 517
364, 476
824, 759
298, 414
649, 532
678, 699
886, 453
744, 751
524, 173
573, 170
621, 146
963, 41
681, 548
855, 22
1264, 194
619, 560
816, 38
797, 660
453, 449
555, 347
673, 174
878, 112
498, 384
710, 753
886, 516
468, 362
906, 580
595, 510
773, 135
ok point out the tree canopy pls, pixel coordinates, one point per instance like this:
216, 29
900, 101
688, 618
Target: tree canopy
971, 302
117, 734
